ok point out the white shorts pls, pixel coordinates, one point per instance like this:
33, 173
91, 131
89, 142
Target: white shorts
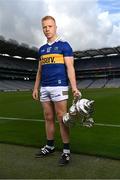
57, 93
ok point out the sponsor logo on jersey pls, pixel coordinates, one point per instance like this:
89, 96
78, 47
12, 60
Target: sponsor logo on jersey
52, 59
47, 60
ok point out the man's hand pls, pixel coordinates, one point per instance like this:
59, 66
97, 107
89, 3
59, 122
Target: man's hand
35, 94
76, 93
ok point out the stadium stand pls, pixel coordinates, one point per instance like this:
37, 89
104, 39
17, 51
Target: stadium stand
18, 65
95, 68
84, 83
115, 82
17, 73
98, 83
11, 85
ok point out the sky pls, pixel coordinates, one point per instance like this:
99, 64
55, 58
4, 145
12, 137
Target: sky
85, 24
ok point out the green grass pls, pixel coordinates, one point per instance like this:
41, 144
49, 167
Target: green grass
18, 162
99, 140
19, 104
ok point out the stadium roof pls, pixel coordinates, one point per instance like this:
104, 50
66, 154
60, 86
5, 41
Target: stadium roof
13, 48
98, 52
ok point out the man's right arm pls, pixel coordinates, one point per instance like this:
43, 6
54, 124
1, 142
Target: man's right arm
35, 93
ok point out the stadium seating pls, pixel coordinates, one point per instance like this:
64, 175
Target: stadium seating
113, 83
13, 85
17, 64
94, 68
17, 74
84, 83
98, 83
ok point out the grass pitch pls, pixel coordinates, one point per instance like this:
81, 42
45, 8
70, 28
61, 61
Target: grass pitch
18, 162
102, 140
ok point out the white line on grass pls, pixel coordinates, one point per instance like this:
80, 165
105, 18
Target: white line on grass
42, 120
21, 119
108, 125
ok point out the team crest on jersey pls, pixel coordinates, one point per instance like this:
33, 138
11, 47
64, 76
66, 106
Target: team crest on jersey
56, 48
48, 49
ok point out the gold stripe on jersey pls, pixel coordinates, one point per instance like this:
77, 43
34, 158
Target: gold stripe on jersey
52, 59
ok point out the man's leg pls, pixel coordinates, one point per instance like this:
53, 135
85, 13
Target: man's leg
61, 109
48, 109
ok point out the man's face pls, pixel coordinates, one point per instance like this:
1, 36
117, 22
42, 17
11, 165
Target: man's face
49, 28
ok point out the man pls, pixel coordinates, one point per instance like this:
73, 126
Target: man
54, 69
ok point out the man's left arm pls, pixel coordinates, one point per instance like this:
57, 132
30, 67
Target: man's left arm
69, 62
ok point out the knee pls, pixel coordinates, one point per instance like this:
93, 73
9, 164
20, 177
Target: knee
60, 117
48, 116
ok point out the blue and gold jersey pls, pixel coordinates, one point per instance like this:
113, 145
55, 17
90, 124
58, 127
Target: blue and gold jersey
54, 71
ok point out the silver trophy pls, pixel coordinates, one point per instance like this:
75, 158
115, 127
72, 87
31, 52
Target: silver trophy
81, 109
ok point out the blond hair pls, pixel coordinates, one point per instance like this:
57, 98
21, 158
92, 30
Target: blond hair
48, 17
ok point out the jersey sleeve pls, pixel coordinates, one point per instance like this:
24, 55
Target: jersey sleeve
67, 50
39, 53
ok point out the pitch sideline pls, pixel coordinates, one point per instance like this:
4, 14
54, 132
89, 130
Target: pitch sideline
42, 120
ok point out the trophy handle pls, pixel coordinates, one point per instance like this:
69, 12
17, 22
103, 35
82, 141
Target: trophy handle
76, 98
